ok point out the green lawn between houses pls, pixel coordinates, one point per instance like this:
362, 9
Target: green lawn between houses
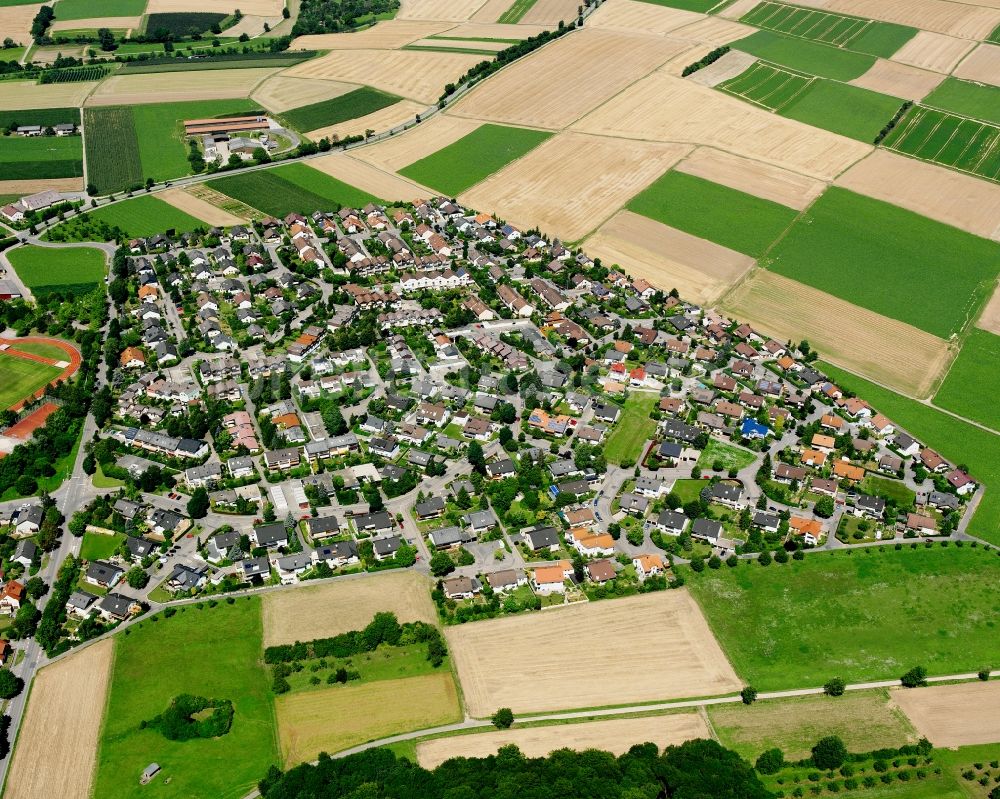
195, 651
632, 429
731, 457
20, 377
475, 156
46, 269
889, 260
97, 546
960, 442
860, 615
968, 390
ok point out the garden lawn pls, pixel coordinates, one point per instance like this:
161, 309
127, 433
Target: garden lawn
731, 457
894, 490
816, 59
891, 261
956, 440
146, 215
967, 98
87, 9
20, 377
860, 615
475, 156
31, 158
99, 547
295, 187
688, 489
354, 104
632, 429
714, 212
968, 390
844, 109
196, 652
44, 270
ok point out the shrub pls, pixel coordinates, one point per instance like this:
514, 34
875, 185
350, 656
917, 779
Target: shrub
914, 678
835, 687
771, 761
503, 718
748, 695
829, 753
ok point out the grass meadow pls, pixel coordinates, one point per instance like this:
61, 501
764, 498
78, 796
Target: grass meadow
85, 9
24, 158
730, 456
39, 116
806, 56
146, 215
968, 388
354, 104
44, 270
861, 615
840, 108
475, 156
196, 652
711, 211
891, 261
967, 98
20, 377
944, 138
632, 429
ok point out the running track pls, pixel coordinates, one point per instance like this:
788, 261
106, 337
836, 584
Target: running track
72, 355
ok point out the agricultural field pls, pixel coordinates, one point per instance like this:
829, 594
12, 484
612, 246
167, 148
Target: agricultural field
57, 744
38, 116
146, 216
37, 157
183, 23
768, 85
954, 715
967, 389
113, 161
899, 80
805, 56
794, 725
834, 245
523, 662
966, 98
856, 615
516, 11
329, 609
45, 270
474, 157
368, 178
21, 378
632, 430
701, 6
353, 104
127, 88
944, 138
841, 108
718, 213
85, 9
851, 33
184, 653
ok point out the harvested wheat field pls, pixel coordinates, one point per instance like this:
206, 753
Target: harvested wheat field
933, 51
57, 745
898, 80
491, 11
738, 9
715, 31
428, 137
279, 93
571, 182
942, 16
175, 87
954, 715
389, 35
15, 22
614, 735
419, 76
471, 44
44, 184
873, 346
343, 605
260, 8
252, 25
495, 30
125, 23
933, 191
982, 64
200, 209
387, 185
633, 16
752, 177
668, 258
990, 318
733, 63
566, 79
662, 107
405, 111
202, 191
446, 10
550, 13
333, 719
578, 656
15, 94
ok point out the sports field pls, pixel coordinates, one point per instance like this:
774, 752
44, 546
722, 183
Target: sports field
839, 30
45, 269
966, 98
19, 378
768, 85
945, 138
806, 56
633, 428
968, 388
889, 260
23, 158
196, 652
726, 216
474, 157
858, 615
354, 104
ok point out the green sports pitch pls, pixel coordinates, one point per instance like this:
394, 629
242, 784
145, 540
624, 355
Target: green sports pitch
20, 377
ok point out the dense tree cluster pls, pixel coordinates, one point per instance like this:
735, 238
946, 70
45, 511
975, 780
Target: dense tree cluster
331, 16
178, 722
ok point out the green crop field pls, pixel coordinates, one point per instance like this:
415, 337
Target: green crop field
861, 615
295, 187
352, 105
146, 216
20, 377
516, 11
995, 36
39, 116
853, 33
956, 440
891, 261
968, 390
11, 53
475, 156
29, 158
701, 6
806, 56
45, 269
88, 9
710, 211
113, 162
193, 652
182, 24
966, 98
632, 429
948, 139
767, 85
844, 109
